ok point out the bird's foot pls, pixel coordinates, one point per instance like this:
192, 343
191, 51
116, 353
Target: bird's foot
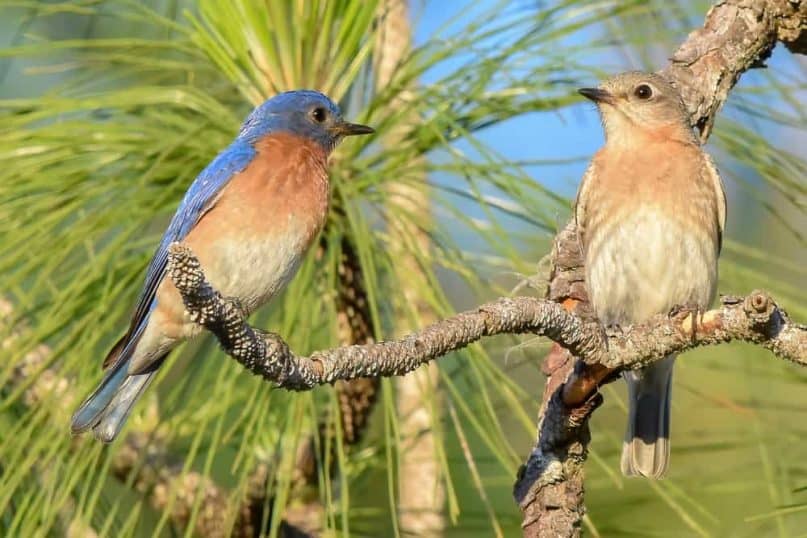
610, 330
237, 305
682, 311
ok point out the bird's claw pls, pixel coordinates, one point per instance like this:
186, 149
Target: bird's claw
607, 330
234, 304
683, 310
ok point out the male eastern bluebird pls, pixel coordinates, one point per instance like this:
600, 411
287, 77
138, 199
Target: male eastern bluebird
650, 215
249, 217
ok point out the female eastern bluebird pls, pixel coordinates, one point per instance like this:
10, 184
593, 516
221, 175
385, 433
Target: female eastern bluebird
650, 215
249, 217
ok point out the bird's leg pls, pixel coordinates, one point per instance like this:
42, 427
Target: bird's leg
237, 305
683, 310
609, 329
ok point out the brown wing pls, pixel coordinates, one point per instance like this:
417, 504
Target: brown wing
115, 351
713, 178
580, 203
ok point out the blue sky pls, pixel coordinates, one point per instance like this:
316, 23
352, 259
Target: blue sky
575, 133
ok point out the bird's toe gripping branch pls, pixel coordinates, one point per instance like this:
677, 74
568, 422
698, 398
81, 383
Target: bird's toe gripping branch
262, 353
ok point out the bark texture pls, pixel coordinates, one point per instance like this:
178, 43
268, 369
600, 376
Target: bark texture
550, 485
737, 35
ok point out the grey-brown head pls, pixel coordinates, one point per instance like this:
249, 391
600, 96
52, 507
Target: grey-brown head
637, 102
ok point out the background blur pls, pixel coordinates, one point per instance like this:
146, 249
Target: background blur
110, 109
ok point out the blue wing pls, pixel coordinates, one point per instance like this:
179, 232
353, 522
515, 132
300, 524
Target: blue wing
201, 196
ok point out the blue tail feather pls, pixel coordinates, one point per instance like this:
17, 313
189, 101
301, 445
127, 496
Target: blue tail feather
109, 424
105, 411
90, 411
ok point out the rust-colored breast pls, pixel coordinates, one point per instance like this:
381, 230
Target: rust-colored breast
285, 185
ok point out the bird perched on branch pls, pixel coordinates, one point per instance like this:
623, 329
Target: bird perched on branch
249, 217
650, 215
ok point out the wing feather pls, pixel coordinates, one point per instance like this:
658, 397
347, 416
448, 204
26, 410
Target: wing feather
720, 196
580, 203
199, 199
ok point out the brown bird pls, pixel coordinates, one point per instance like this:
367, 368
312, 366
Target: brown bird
650, 215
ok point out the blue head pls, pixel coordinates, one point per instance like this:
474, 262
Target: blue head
304, 113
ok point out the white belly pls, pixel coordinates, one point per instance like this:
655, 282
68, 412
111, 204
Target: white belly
647, 264
250, 271
254, 271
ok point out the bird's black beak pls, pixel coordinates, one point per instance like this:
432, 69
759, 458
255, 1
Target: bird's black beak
597, 95
351, 129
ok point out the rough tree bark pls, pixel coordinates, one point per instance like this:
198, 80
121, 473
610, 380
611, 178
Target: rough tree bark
551, 482
737, 35
549, 487
756, 319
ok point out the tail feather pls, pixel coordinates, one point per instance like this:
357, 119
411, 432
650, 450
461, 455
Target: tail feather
107, 408
93, 407
108, 425
646, 451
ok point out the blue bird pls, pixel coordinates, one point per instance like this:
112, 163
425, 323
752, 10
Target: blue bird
249, 217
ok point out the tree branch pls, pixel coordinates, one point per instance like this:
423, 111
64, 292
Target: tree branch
755, 319
551, 482
737, 35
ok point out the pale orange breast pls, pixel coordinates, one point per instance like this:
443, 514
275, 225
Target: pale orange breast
667, 176
286, 184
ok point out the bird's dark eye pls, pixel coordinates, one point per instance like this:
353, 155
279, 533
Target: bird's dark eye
319, 114
643, 91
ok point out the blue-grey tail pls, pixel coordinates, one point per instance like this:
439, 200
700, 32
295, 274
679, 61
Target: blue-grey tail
646, 451
110, 422
105, 411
